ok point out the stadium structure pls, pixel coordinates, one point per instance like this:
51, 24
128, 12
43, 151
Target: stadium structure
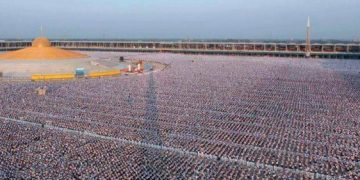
328, 51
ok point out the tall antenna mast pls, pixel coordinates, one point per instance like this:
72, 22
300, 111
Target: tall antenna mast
308, 41
41, 31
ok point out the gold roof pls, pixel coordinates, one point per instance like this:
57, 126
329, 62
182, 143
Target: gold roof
41, 50
41, 42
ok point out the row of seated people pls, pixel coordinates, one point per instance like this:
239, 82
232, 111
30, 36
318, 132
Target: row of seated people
252, 113
34, 152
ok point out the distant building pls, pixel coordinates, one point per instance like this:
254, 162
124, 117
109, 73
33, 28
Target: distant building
41, 50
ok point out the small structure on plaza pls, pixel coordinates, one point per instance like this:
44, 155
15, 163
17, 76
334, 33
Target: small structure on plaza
140, 67
41, 91
80, 72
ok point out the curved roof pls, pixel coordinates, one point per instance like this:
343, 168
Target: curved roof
41, 50
41, 42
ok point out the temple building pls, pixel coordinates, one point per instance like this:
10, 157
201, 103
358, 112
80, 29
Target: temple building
41, 50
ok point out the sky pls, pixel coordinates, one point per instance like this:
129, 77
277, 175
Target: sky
183, 19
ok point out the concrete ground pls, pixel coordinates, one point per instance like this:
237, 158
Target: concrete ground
25, 68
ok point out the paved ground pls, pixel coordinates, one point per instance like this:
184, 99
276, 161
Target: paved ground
25, 68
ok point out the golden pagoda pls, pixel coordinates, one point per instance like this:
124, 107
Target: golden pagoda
41, 50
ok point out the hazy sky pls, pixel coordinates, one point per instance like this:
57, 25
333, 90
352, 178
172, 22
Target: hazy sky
241, 19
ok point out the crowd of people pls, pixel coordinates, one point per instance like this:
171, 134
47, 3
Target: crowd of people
257, 116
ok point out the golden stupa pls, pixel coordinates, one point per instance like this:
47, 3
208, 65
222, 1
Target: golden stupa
41, 50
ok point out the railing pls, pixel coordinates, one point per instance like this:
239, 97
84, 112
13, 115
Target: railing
286, 49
